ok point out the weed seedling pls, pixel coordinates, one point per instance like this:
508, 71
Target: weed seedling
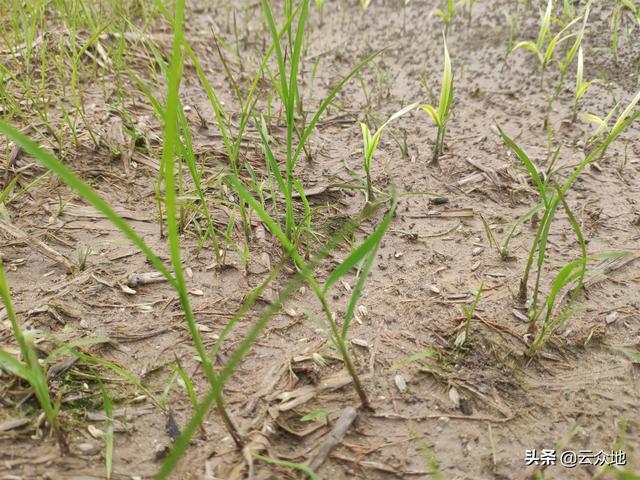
83, 256
469, 312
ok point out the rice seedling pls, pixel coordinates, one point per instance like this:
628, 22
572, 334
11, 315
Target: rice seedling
603, 130
83, 255
568, 11
602, 124
232, 138
571, 274
371, 144
230, 172
441, 114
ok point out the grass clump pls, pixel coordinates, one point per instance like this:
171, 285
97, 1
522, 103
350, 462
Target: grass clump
28, 367
551, 197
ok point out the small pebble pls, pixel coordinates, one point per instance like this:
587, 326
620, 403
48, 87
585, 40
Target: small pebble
95, 432
87, 448
612, 317
401, 383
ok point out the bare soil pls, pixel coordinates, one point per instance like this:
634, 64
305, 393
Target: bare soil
577, 393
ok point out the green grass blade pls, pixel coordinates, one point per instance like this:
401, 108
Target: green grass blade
366, 267
271, 225
108, 437
12, 365
182, 442
218, 110
271, 160
169, 150
72, 344
399, 113
526, 216
5, 294
295, 58
233, 361
577, 44
295, 466
284, 89
526, 45
531, 168
620, 123
327, 101
188, 384
366, 247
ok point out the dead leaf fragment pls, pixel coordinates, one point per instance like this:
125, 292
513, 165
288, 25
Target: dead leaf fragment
519, 315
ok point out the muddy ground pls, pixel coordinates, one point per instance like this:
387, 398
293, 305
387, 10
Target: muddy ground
472, 412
